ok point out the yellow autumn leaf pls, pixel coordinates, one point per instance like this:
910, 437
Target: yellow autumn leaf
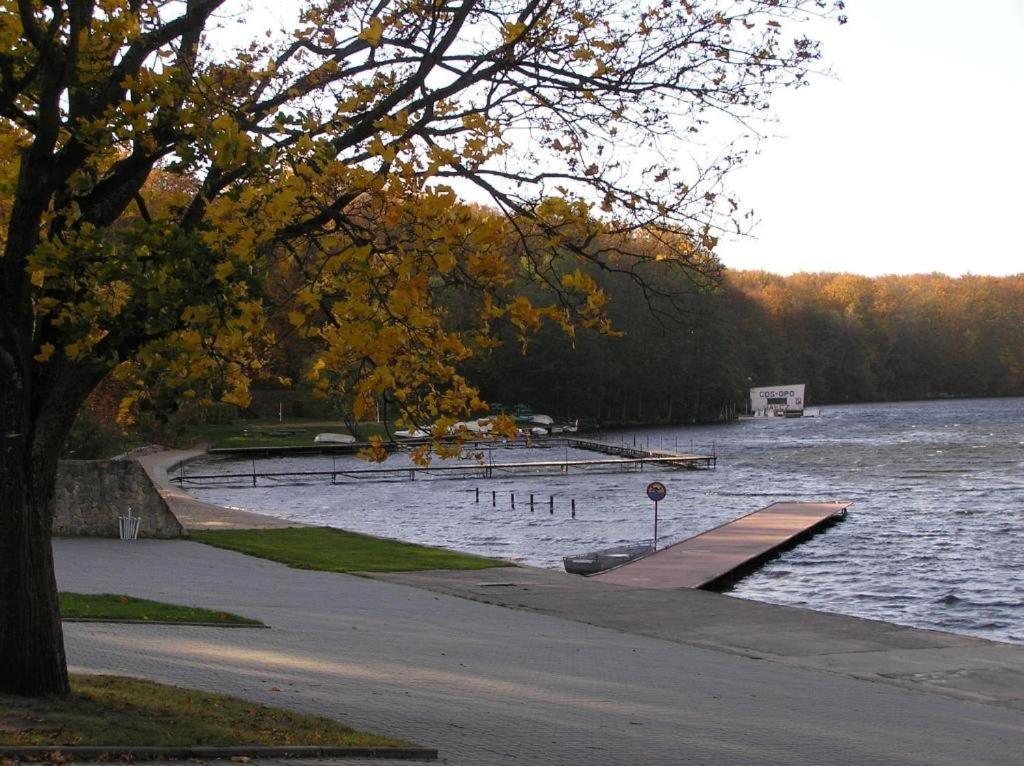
45, 352
511, 30
373, 33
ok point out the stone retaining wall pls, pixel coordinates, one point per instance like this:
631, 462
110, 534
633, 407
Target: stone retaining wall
91, 494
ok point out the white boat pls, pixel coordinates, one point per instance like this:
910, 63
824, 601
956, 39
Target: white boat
609, 558
327, 438
414, 433
481, 426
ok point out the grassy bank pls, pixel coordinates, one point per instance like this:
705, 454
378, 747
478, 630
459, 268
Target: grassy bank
334, 550
109, 606
110, 710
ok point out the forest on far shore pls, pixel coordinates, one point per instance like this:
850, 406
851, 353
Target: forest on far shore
850, 338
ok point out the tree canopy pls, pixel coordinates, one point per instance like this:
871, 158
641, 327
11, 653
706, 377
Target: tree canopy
165, 196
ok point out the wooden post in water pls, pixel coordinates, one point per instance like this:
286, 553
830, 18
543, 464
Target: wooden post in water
512, 495
478, 494
574, 507
551, 504
531, 502
494, 499
254, 472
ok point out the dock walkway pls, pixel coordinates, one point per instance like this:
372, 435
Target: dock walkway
682, 459
687, 460
622, 459
723, 554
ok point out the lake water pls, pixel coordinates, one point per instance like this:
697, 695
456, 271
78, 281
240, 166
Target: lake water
934, 538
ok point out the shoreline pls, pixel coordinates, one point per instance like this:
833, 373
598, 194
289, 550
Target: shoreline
965, 667
193, 513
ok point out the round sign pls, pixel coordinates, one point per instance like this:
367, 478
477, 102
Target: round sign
656, 491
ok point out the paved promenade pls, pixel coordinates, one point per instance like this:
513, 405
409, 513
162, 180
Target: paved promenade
967, 668
491, 685
195, 514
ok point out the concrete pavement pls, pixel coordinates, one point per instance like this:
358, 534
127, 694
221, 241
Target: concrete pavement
968, 668
490, 685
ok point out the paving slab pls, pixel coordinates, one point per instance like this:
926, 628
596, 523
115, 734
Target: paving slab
491, 685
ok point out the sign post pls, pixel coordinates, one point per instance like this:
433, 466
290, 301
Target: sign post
656, 491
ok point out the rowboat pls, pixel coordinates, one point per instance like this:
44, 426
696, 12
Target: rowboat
607, 558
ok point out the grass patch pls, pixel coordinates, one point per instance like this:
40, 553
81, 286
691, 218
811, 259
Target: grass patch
111, 710
334, 550
109, 606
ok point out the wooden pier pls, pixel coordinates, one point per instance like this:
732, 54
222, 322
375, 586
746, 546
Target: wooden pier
623, 459
719, 557
684, 460
465, 470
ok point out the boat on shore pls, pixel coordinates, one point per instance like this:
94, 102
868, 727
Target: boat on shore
569, 427
411, 433
605, 559
329, 438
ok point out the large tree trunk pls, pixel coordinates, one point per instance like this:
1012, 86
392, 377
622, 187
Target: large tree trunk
31, 642
37, 411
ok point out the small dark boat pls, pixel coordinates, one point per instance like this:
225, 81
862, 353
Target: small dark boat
608, 558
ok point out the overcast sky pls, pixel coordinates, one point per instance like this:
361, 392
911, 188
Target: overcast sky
910, 160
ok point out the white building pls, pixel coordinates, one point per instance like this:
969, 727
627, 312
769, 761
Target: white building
777, 401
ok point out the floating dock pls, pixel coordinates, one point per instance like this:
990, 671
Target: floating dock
463, 470
719, 557
682, 460
623, 459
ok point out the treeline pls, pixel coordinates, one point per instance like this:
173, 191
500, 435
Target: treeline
849, 338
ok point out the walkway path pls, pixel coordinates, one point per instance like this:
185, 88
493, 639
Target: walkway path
195, 514
489, 685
